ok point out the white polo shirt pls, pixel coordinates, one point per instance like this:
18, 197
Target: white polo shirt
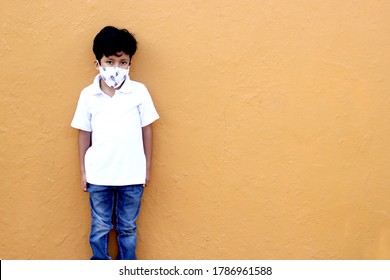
116, 157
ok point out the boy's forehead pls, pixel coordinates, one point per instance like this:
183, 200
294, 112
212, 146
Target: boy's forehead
119, 55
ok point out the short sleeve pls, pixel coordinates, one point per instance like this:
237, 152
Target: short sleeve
82, 118
148, 113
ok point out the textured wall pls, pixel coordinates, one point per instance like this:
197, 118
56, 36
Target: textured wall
273, 141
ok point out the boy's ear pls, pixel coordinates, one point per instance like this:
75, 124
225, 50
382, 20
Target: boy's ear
96, 64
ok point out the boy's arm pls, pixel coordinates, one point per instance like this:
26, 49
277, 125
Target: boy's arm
84, 144
148, 146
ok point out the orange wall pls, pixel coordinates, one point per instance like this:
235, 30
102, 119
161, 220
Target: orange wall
273, 141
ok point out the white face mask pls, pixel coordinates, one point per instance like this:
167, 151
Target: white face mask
113, 76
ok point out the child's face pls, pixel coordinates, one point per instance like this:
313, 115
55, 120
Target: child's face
122, 61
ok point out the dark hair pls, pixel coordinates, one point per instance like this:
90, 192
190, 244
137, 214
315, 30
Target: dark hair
111, 41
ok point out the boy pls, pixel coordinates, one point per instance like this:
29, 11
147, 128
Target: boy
114, 116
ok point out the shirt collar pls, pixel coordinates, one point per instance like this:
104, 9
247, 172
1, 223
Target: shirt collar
125, 88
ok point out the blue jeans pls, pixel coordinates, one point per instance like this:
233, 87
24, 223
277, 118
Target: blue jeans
126, 202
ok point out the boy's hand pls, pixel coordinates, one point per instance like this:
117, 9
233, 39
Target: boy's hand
84, 144
147, 179
84, 182
147, 139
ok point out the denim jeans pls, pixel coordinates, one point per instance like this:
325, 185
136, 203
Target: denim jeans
126, 202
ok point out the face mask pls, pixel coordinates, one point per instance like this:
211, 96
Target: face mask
113, 76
